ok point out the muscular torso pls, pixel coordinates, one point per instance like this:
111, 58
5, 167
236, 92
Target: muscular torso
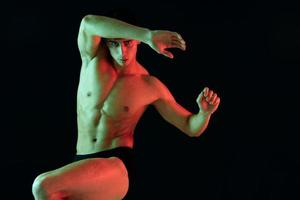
109, 106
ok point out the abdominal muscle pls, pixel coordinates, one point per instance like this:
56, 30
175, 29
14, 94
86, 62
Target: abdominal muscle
98, 132
108, 108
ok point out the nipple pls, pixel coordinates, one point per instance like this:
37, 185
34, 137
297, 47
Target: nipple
89, 94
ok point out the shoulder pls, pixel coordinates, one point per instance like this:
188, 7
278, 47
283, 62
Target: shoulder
151, 80
156, 82
160, 88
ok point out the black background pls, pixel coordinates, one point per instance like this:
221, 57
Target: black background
247, 51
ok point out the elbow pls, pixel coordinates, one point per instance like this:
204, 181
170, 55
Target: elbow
191, 131
83, 22
89, 19
195, 133
86, 19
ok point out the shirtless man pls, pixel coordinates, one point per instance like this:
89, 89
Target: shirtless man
114, 90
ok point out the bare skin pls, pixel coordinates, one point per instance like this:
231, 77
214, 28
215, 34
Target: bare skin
110, 103
113, 92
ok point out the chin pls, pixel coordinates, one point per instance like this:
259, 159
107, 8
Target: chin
126, 63
123, 64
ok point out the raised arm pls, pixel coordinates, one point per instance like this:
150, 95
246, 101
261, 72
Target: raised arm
94, 27
191, 124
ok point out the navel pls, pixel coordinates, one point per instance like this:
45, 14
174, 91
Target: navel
95, 140
89, 94
126, 108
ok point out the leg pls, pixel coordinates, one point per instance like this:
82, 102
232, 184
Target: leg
89, 179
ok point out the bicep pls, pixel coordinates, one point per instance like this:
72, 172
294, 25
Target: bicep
88, 44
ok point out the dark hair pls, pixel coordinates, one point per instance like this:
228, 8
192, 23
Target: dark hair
123, 14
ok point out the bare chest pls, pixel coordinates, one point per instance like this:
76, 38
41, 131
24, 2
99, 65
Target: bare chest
116, 97
127, 97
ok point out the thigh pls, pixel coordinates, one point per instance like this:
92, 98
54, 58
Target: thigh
94, 178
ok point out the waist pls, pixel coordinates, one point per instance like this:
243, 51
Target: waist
87, 145
106, 153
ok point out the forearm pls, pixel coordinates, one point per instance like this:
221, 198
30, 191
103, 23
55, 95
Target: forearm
112, 28
197, 123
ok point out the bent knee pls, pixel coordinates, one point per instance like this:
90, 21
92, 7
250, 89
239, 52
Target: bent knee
120, 166
39, 186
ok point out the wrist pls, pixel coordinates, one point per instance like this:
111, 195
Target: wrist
204, 113
147, 36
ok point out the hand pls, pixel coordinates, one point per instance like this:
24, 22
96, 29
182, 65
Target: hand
161, 40
208, 101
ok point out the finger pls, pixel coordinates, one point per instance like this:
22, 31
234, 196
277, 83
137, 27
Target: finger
213, 99
210, 93
200, 96
178, 39
178, 36
176, 44
217, 101
168, 54
205, 91
179, 42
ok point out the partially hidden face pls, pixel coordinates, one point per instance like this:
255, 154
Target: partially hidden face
123, 51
